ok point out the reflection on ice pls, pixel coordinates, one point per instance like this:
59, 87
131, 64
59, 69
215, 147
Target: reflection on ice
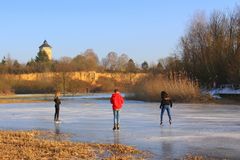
116, 136
57, 128
89, 96
197, 128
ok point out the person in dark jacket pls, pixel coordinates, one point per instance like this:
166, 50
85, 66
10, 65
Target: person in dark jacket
166, 103
117, 102
57, 106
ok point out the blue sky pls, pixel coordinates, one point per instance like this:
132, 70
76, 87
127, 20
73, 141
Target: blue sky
142, 29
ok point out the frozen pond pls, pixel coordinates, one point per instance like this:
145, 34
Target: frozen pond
212, 130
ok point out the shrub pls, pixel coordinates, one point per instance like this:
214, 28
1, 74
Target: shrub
78, 86
33, 87
105, 84
5, 87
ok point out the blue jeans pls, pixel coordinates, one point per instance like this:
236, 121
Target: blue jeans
166, 107
116, 116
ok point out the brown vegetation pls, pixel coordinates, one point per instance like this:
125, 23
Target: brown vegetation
210, 48
198, 157
180, 89
33, 87
29, 145
5, 88
5, 101
66, 82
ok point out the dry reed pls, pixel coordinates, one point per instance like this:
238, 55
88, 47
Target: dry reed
29, 146
180, 89
199, 157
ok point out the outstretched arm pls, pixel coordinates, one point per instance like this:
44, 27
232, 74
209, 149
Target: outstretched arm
111, 100
161, 104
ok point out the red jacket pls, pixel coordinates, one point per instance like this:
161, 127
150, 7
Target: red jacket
117, 101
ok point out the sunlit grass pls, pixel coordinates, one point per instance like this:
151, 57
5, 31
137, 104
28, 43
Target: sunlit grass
29, 145
180, 89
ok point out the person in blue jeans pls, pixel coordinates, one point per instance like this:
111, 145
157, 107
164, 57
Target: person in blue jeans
166, 103
117, 102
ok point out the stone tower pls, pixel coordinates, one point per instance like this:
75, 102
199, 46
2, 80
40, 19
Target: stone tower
45, 47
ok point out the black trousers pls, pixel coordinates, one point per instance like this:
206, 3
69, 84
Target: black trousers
56, 115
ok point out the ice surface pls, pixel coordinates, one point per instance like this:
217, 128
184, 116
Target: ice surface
212, 130
224, 91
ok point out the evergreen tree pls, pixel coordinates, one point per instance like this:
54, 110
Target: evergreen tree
42, 57
131, 67
145, 66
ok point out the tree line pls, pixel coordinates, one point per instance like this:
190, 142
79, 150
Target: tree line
86, 61
210, 49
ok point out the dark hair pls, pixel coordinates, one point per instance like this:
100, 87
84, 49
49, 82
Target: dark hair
164, 94
116, 90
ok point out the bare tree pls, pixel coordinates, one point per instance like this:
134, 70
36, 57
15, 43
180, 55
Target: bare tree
110, 62
210, 49
122, 62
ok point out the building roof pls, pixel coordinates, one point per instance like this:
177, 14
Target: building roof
45, 44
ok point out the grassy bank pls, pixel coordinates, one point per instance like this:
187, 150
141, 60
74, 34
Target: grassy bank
5, 101
180, 89
31, 98
29, 145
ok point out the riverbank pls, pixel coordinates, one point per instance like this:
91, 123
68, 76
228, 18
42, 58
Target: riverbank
25, 98
38, 98
35, 145
7, 101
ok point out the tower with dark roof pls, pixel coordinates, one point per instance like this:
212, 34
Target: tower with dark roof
46, 48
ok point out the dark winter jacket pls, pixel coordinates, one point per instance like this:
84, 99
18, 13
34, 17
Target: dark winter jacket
166, 101
57, 101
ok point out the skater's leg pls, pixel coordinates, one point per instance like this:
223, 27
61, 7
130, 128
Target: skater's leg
169, 115
114, 119
118, 119
58, 109
162, 112
55, 114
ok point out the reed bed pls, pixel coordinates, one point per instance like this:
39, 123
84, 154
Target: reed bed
180, 89
29, 145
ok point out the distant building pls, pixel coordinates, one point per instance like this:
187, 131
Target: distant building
45, 47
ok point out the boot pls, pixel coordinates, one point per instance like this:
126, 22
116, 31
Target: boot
161, 123
170, 122
118, 126
114, 127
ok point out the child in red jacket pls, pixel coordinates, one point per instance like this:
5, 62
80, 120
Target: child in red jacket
117, 102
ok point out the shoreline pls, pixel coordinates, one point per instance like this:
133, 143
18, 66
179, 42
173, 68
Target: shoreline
39, 98
199, 101
13, 101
